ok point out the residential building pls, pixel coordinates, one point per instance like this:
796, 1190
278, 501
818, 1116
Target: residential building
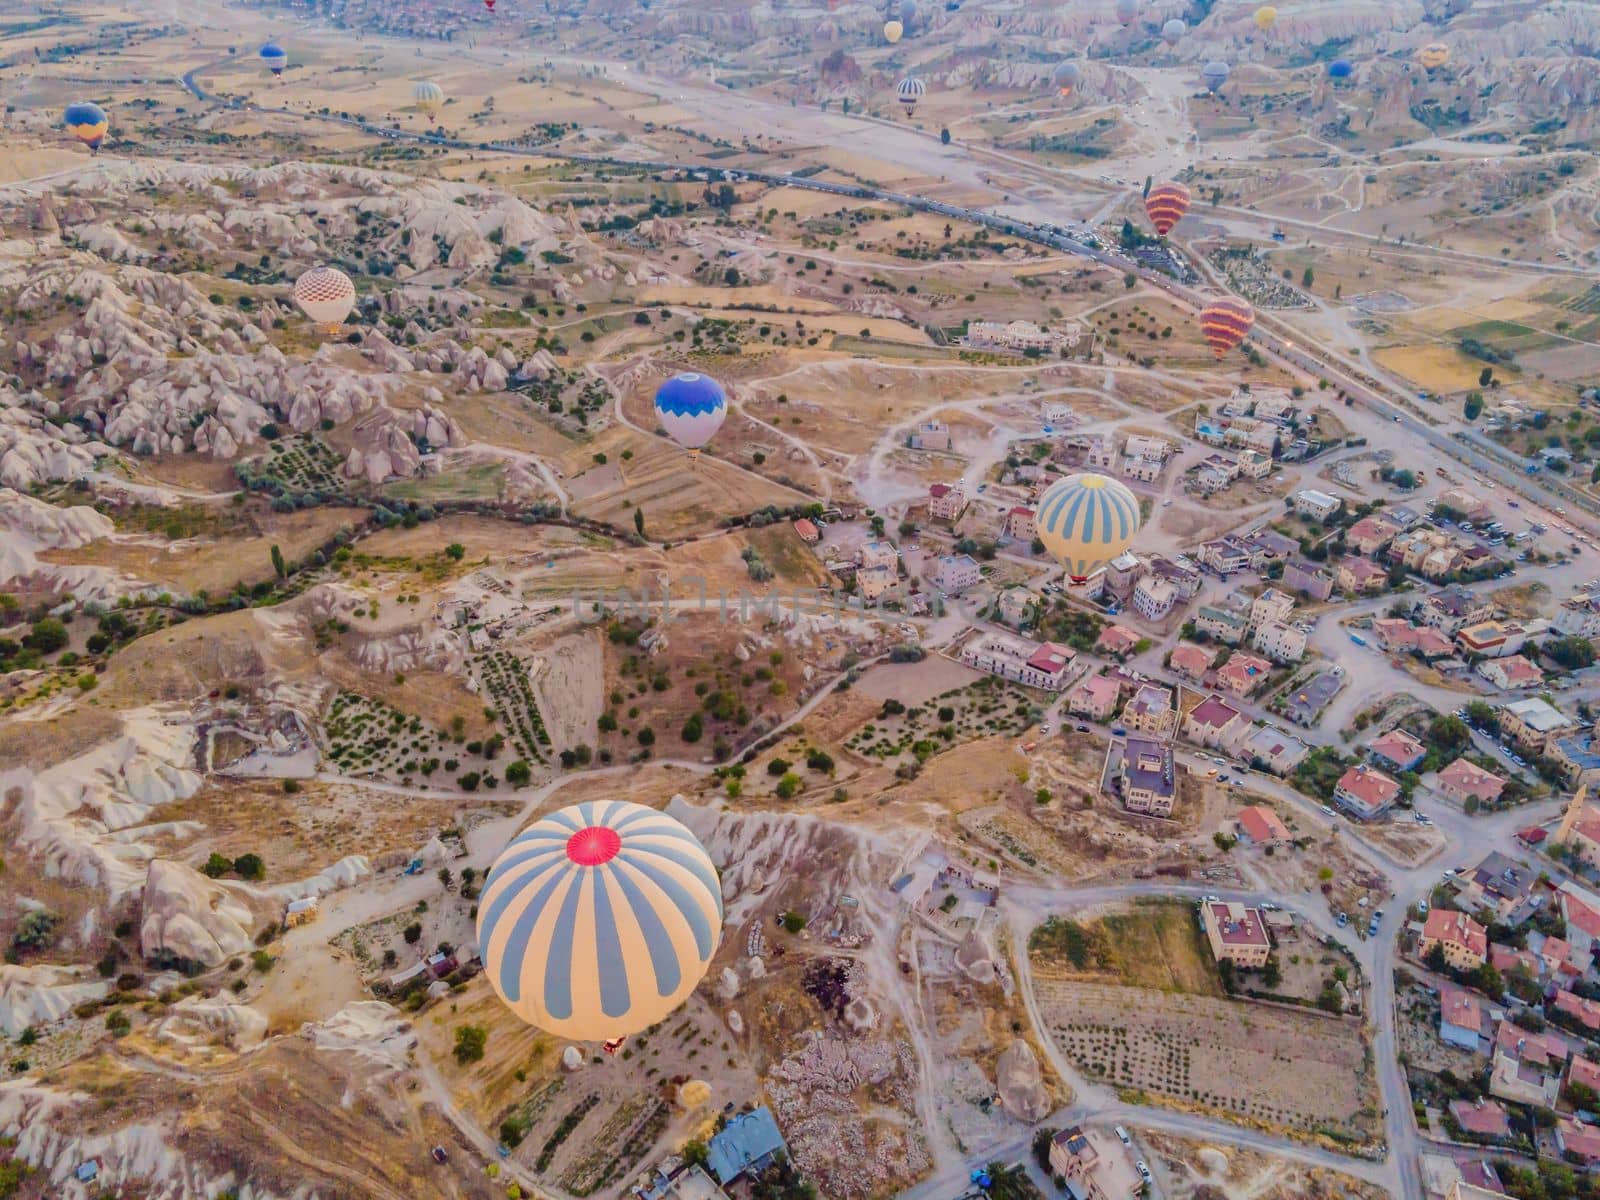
1242, 674
1191, 660
1369, 534
880, 554
1500, 887
1043, 665
1478, 1182
1306, 577
1145, 470
1254, 465
1463, 941
1182, 576
1225, 555
1019, 525
1359, 576
946, 501
1221, 623
1282, 643
1582, 1011
955, 573
1578, 617
1304, 706
1451, 608
1270, 605
1319, 506
1072, 1156
1150, 711
1365, 792
1121, 574
1527, 1067
300, 912
1273, 404
807, 531
1491, 639
1534, 723
1101, 454
1461, 1016
1273, 749
1583, 837
1481, 1119
931, 435
749, 1142
1463, 780
1214, 722
873, 583
1017, 606
1268, 546
1259, 825
1578, 757
1236, 933
1017, 336
1215, 474
1469, 504
1402, 637
1578, 1141
1397, 749
1095, 698
674, 1180
1511, 672
1154, 598
1117, 640
1149, 783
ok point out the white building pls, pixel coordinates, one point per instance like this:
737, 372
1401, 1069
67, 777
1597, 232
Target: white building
1042, 665
955, 573
931, 435
879, 554
1016, 336
1154, 597
1319, 506
1280, 642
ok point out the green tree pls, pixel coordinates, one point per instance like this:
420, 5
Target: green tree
1472, 406
46, 636
470, 1043
518, 773
217, 865
638, 520
1130, 281
413, 933
455, 551
1485, 377
1308, 278
1272, 973
788, 786
250, 866
279, 567
696, 1153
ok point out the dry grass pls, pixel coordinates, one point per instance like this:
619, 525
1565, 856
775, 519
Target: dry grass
1156, 946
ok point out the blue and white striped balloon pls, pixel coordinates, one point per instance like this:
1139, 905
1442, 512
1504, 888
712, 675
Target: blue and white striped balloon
1085, 521
599, 920
691, 408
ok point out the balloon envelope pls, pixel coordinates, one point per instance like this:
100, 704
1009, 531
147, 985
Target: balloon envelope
1173, 31
428, 96
326, 295
275, 57
1266, 17
1340, 68
86, 122
1434, 55
599, 920
892, 31
1127, 10
691, 408
1085, 521
1226, 323
1068, 76
910, 90
1165, 206
1215, 74
908, 13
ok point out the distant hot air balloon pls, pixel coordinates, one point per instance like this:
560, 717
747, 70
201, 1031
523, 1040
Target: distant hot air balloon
428, 97
326, 295
908, 13
1434, 55
1340, 68
599, 920
1165, 206
1068, 76
489, 4
1215, 75
1085, 521
274, 58
1127, 11
1266, 17
691, 408
1226, 323
892, 31
911, 90
88, 123
1172, 32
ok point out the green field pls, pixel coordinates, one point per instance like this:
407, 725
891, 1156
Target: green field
481, 482
1507, 336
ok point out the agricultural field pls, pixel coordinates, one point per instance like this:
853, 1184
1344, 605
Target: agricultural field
1158, 946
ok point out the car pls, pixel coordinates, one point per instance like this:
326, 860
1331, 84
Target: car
1211, 899
1372, 927
1514, 503
1211, 772
1328, 812
439, 1155
1268, 906
1044, 727
1122, 1136
1223, 779
1118, 731
1397, 420
1144, 1171
1221, 762
1449, 872
1082, 728
1342, 920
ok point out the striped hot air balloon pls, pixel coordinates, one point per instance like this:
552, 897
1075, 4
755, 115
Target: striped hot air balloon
326, 295
599, 920
1165, 206
1226, 323
1085, 521
428, 97
910, 90
691, 408
88, 123
275, 58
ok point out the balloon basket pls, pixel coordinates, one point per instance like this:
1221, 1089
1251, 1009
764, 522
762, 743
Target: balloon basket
612, 1045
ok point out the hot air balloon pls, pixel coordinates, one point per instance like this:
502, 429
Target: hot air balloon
1165, 206
1215, 75
599, 920
1340, 68
691, 408
1266, 17
1172, 32
87, 123
1127, 11
1434, 55
911, 90
489, 4
326, 295
1226, 323
1085, 521
908, 13
892, 31
1068, 76
428, 97
274, 58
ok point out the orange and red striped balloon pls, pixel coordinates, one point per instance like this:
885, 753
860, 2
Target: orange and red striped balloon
1166, 205
1226, 323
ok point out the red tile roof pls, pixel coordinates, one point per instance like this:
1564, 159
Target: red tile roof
1261, 824
1459, 1007
806, 529
1582, 1140
1399, 747
1586, 1011
1213, 713
1192, 659
1458, 928
1118, 638
939, 489
1051, 657
1580, 914
1585, 1072
1372, 788
1238, 925
1484, 1118
1468, 777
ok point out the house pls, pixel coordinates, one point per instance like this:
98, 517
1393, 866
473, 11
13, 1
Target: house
1534, 723
1018, 336
1365, 792
1271, 605
1273, 749
1236, 933
1150, 711
1095, 698
875, 582
1481, 1119
1464, 942
1117, 640
1359, 576
1319, 506
807, 531
1045, 665
945, 501
1510, 673
1463, 780
1461, 1016
1019, 525
955, 573
1583, 1012
1527, 1066
1469, 504
1242, 674
1398, 749
1254, 465
1369, 534
1140, 445
300, 912
1122, 572
880, 554
1259, 825
1214, 722
931, 435
1101, 454
1149, 784
1478, 1182
1450, 608
1578, 1141
1154, 597
1181, 575
1268, 546
1584, 1073
673, 1180
1214, 474
1017, 606
1191, 660
1491, 639
1578, 616
1225, 556
1280, 642
441, 964
1578, 757
1072, 1155
1307, 578
1306, 705
1499, 886
1145, 470
748, 1142
1400, 637
1273, 404
1223, 624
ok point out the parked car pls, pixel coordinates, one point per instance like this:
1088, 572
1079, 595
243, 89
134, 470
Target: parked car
1122, 1136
